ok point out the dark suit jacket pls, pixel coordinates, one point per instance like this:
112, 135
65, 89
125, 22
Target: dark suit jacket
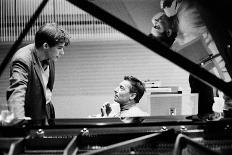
26, 91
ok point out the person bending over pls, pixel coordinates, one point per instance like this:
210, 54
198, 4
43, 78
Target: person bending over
32, 74
191, 25
163, 25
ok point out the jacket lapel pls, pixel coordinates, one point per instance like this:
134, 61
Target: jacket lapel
38, 71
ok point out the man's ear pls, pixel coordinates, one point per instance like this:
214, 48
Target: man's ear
132, 96
45, 45
169, 32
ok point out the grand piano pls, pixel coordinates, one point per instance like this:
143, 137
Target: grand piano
137, 135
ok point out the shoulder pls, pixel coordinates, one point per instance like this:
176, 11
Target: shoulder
134, 112
24, 54
140, 112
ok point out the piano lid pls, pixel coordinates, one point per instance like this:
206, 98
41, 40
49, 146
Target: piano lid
129, 17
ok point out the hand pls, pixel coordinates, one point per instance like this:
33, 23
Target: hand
9, 119
106, 109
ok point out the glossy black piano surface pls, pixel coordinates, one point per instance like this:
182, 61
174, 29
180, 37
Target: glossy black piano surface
159, 135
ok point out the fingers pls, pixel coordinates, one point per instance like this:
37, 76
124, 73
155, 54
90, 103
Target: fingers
105, 109
102, 112
108, 109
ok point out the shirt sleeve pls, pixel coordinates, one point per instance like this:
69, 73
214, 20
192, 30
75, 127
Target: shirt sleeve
17, 89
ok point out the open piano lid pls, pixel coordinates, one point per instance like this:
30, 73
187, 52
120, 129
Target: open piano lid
123, 20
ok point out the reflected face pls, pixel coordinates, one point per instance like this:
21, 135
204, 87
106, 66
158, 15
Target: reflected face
55, 52
159, 25
122, 92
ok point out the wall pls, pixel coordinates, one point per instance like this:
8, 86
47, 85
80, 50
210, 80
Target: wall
15, 15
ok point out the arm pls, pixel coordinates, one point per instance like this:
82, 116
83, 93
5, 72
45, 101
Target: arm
105, 110
110, 110
17, 90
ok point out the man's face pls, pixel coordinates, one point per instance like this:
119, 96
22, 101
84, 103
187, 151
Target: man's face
122, 93
55, 52
159, 25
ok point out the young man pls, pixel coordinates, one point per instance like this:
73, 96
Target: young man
127, 95
32, 74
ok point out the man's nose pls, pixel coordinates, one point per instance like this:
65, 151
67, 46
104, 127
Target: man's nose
62, 52
116, 90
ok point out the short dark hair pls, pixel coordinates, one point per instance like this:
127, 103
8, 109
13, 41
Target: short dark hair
52, 34
138, 87
168, 3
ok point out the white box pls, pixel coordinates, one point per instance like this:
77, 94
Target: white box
172, 104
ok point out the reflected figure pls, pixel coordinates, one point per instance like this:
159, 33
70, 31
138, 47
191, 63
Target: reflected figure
191, 25
206, 95
188, 20
127, 96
